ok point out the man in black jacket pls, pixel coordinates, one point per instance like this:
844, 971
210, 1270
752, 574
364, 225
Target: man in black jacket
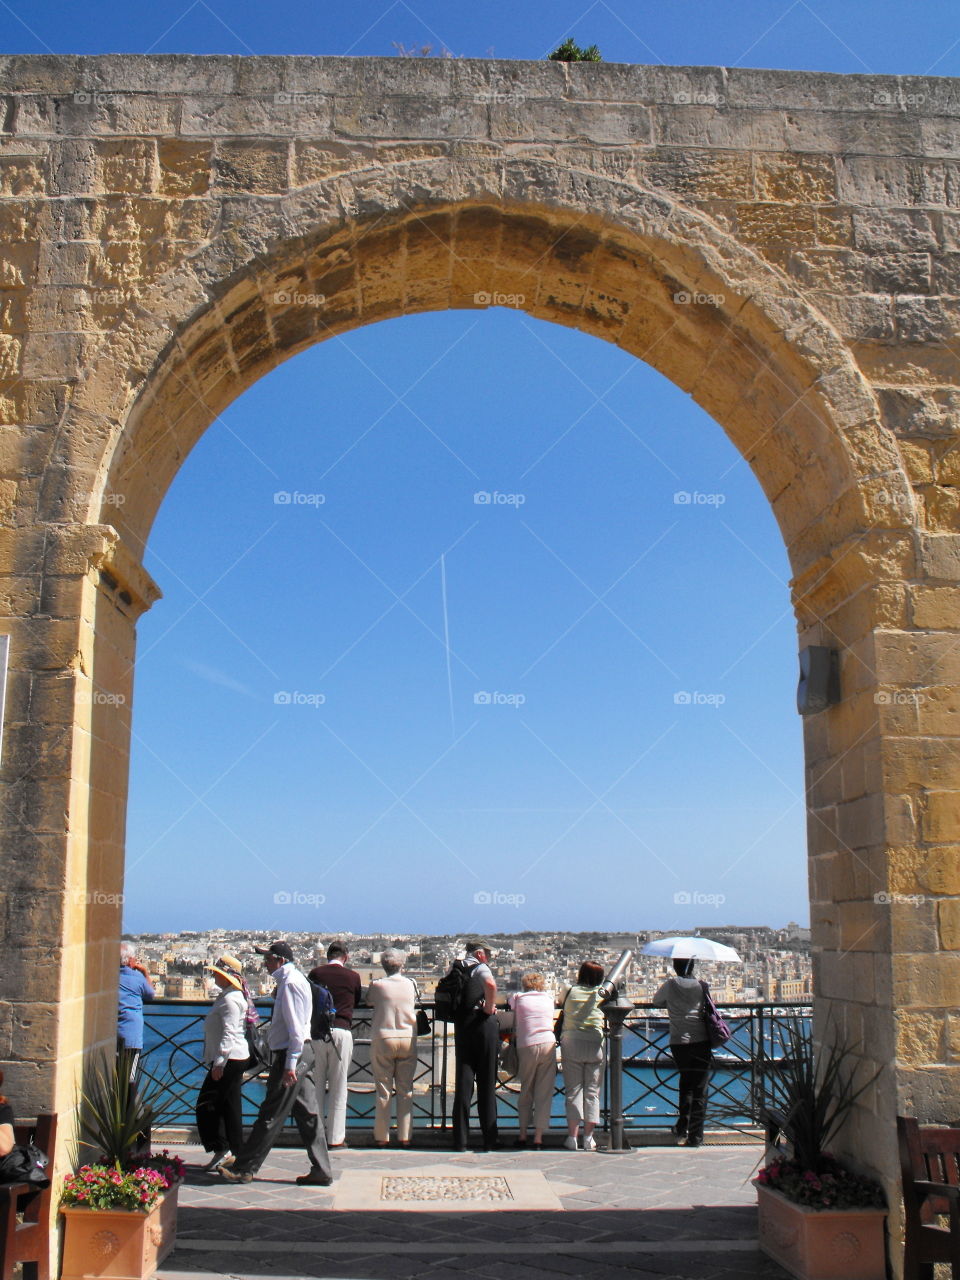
477, 1043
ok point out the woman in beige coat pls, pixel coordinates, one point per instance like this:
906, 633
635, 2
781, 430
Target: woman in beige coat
393, 1047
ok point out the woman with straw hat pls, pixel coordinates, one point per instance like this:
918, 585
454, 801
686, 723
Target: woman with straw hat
226, 1054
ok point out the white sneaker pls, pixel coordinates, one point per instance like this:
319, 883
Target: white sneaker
590, 1144
570, 1144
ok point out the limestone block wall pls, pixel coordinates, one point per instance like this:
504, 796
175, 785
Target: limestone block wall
784, 246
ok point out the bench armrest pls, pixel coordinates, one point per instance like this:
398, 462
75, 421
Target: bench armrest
17, 1188
944, 1189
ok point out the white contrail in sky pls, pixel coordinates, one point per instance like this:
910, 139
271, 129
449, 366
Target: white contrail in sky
446, 640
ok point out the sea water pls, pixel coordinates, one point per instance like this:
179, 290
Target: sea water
173, 1047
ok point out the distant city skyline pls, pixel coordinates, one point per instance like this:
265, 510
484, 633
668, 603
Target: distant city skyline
774, 964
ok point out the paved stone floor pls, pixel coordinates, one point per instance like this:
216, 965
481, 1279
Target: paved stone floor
662, 1212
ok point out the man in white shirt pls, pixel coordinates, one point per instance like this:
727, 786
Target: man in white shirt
290, 1086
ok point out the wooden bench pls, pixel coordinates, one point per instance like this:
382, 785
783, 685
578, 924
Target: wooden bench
930, 1170
27, 1241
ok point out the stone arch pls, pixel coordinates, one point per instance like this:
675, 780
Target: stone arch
588, 252
597, 253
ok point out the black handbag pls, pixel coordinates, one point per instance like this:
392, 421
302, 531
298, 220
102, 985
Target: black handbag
558, 1025
423, 1020
25, 1163
258, 1047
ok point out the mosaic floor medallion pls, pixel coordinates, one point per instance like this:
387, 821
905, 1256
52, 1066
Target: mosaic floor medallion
445, 1188
437, 1188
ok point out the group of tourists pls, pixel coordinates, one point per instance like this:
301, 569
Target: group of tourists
579, 1028
306, 1067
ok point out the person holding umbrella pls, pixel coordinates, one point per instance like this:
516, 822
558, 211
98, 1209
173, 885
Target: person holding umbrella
684, 998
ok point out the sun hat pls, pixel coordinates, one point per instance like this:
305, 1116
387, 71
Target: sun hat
229, 967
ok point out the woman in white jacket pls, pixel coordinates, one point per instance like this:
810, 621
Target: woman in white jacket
393, 1047
226, 1054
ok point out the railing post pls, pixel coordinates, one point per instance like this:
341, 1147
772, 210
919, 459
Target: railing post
443, 1075
759, 1091
615, 1012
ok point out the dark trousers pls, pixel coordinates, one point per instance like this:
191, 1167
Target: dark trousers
219, 1103
128, 1063
477, 1043
128, 1068
301, 1100
693, 1062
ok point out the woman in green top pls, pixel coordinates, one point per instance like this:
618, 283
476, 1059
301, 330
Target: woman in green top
581, 1054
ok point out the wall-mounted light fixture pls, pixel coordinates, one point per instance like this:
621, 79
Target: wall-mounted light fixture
819, 685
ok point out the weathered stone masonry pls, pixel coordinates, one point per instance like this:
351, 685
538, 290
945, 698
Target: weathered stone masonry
784, 246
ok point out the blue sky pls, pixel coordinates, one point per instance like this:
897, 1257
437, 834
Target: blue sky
845, 36
384, 704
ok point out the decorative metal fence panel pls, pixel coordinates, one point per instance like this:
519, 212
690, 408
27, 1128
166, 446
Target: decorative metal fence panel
740, 1084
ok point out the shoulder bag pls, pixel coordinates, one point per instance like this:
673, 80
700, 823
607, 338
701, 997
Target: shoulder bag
423, 1020
558, 1025
509, 1054
718, 1032
25, 1163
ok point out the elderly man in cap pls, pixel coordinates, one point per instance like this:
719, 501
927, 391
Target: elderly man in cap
290, 1085
135, 991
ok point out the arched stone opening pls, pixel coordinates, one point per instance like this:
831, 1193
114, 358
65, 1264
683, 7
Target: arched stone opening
604, 257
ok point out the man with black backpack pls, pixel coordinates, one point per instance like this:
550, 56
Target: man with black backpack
476, 1043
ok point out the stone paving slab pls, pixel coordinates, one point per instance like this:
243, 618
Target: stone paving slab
671, 1213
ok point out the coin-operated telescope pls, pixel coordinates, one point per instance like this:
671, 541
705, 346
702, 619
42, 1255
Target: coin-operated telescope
616, 978
615, 1007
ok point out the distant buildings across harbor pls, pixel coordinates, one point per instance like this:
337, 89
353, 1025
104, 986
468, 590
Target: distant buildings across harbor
775, 962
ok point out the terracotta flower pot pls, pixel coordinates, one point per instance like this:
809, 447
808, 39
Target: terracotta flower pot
821, 1244
118, 1244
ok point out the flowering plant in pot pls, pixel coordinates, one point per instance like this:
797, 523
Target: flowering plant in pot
120, 1209
818, 1219
101, 1186
830, 1186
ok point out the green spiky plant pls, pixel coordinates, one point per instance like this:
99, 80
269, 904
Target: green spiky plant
812, 1097
113, 1114
570, 51
114, 1119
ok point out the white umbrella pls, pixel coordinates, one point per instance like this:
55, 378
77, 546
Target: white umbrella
690, 949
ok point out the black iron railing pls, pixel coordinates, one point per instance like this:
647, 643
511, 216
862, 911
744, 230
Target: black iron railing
740, 1085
